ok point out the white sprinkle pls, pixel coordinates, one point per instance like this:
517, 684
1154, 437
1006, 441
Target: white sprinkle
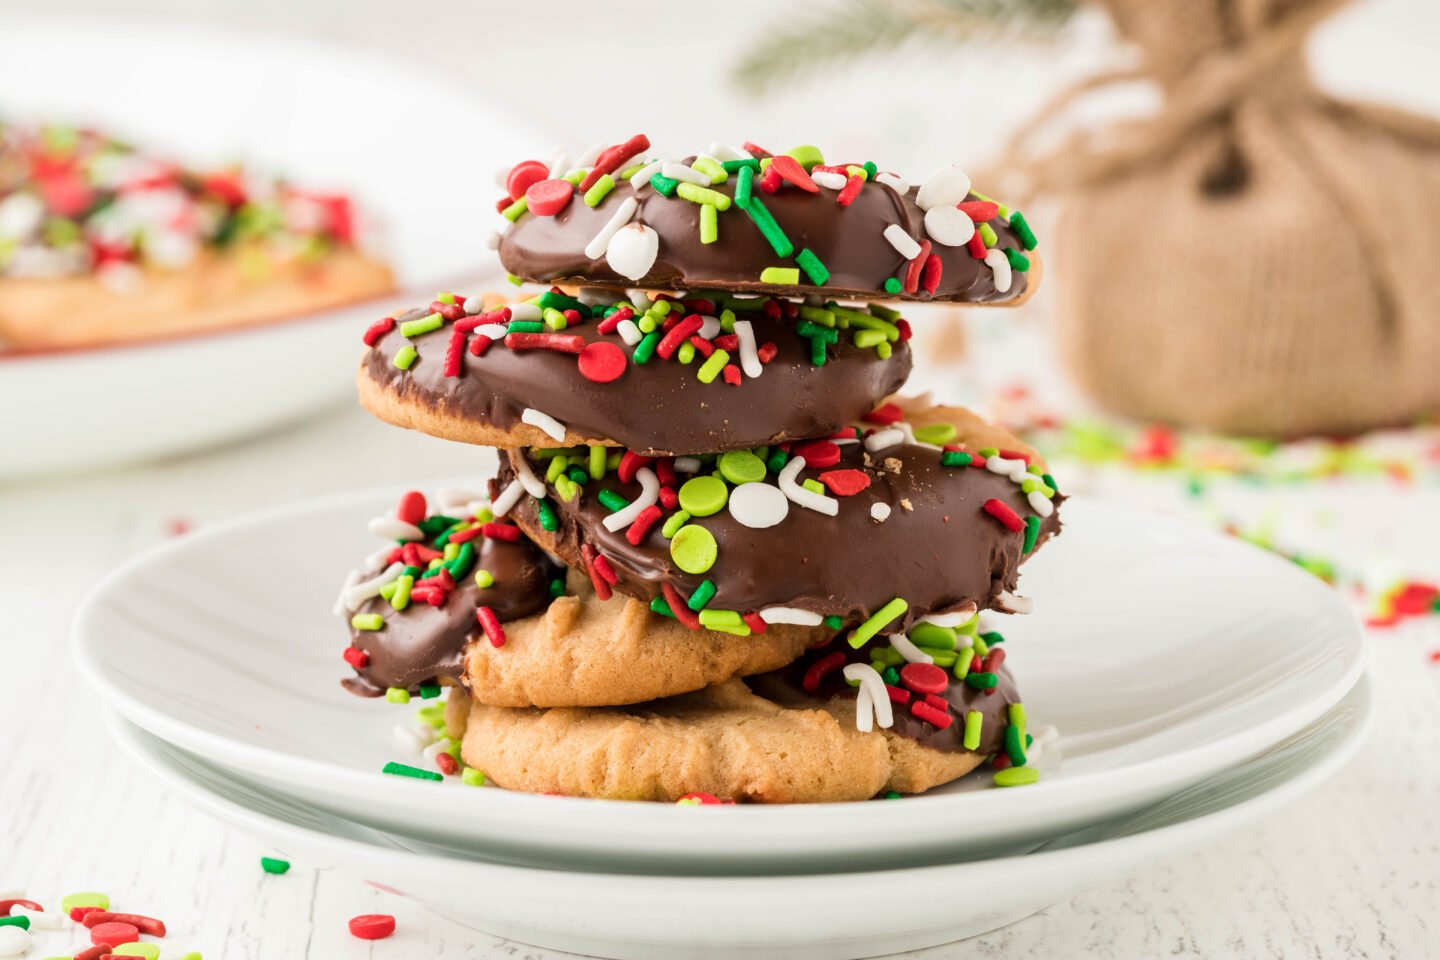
908, 650
641, 178
629, 332
595, 249
40, 919
559, 163
954, 618
758, 505
881, 439
723, 151
808, 499
524, 311
14, 941
1015, 469
904, 244
678, 171
440, 746
879, 512
541, 420
829, 179
949, 226
945, 187
474, 305
687, 464
709, 327
588, 158
533, 484
874, 684
1040, 503
393, 529
379, 558
865, 709
749, 356
502, 225
898, 184
508, 498
1014, 603
351, 578
632, 250
495, 331
795, 615
639, 300
406, 737
366, 589
1000, 267
649, 494
492, 240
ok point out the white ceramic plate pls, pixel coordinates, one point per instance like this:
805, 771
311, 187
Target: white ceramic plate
415, 151
791, 917
1162, 652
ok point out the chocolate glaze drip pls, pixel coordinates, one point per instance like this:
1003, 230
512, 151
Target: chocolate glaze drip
848, 240
657, 407
938, 549
421, 642
785, 686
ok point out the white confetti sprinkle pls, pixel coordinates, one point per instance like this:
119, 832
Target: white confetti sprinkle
881, 439
366, 589
641, 178
524, 311
533, 484
879, 512
908, 650
904, 244
999, 266
1040, 503
898, 184
808, 499
508, 498
687, 464
954, 618
829, 179
352, 578
631, 252
474, 305
758, 505
598, 244
944, 188
873, 684
949, 226
804, 618
678, 171
541, 420
629, 332
723, 151
709, 327
749, 355
392, 529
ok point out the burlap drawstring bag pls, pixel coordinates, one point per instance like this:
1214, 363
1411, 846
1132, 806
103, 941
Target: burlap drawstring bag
1257, 257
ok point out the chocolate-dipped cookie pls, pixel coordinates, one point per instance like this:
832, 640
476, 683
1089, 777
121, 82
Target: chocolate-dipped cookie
741, 219
873, 529
663, 376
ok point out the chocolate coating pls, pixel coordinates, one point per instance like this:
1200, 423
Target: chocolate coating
784, 685
940, 552
656, 407
421, 642
849, 241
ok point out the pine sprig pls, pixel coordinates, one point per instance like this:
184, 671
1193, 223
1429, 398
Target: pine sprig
853, 28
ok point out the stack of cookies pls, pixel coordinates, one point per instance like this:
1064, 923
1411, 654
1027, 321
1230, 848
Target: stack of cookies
721, 560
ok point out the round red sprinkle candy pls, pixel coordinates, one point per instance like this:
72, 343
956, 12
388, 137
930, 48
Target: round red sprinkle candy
923, 677
704, 799
844, 483
523, 176
372, 926
412, 507
548, 197
114, 934
818, 454
602, 362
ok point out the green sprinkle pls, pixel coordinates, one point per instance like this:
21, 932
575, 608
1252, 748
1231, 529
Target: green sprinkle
1032, 532
981, 647
401, 598
514, 280
875, 320
711, 168
833, 622
1015, 745
741, 466
933, 636
405, 357
557, 588
560, 301
413, 328
22, 922
1016, 776
405, 770
647, 324
818, 356
963, 662
735, 166
936, 433
664, 185
883, 351
397, 695
974, 723
880, 618
709, 223
569, 487
987, 234
815, 331
598, 192
712, 366
1018, 261
460, 564
574, 177
1022, 230
989, 452
825, 318
645, 349
556, 468
869, 338
891, 676
1016, 713
812, 266
703, 496
955, 458
769, 229
658, 605
612, 501
673, 523
272, 865
85, 899
703, 594
893, 285
991, 637
780, 276
1050, 482
484, 579
698, 194
982, 681
597, 463
513, 212
472, 777
720, 618
554, 319
367, 621
777, 461
814, 486
807, 156
693, 549
548, 521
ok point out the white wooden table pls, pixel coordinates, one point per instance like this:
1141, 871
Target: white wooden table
1352, 870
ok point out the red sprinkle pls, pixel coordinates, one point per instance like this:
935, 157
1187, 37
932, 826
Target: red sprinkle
729, 342
820, 668
447, 764
754, 621
377, 330
548, 197
468, 533
559, 342
665, 470
767, 352
678, 334
1001, 761
501, 531
610, 323
641, 525
903, 326
688, 618
789, 168
844, 483
412, 507
448, 311
696, 305
631, 462
993, 660
1002, 512
479, 345
372, 926
923, 677
930, 715
612, 158
851, 190
602, 566
114, 934
454, 353
1016, 455
523, 176
976, 246
818, 454
96, 952
706, 799
770, 180
885, 414
602, 588
938, 703
912, 272
354, 656
930, 274
753, 150
897, 694
78, 914
7, 905
146, 925
669, 498
731, 373
491, 623
602, 362
979, 210
704, 346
